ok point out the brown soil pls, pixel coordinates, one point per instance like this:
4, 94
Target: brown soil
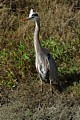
26, 102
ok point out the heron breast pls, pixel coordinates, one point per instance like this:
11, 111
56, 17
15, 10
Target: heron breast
43, 72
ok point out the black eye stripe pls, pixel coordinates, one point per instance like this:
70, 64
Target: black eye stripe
35, 15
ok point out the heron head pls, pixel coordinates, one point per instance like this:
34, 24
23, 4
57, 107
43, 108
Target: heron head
33, 16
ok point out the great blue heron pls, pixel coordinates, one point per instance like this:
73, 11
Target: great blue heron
45, 64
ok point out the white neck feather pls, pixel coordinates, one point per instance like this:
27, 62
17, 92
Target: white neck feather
37, 44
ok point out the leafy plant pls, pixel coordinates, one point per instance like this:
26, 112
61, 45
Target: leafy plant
64, 53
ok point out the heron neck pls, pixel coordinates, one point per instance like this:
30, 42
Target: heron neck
37, 43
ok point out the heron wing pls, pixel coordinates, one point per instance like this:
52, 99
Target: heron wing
51, 66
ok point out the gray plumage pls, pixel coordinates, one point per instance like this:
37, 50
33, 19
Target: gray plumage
45, 64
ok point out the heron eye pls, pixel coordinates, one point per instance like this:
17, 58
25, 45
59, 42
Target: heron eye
35, 15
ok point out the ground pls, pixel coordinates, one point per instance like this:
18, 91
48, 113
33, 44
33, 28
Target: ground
26, 103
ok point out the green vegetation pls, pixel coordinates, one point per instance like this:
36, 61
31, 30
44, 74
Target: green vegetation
22, 59
65, 54
17, 53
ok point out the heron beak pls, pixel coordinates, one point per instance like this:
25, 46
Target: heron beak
28, 18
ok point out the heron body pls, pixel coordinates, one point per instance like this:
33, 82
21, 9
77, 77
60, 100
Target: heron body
45, 64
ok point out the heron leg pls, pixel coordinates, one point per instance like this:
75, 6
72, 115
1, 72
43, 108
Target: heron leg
41, 90
50, 85
51, 90
41, 85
